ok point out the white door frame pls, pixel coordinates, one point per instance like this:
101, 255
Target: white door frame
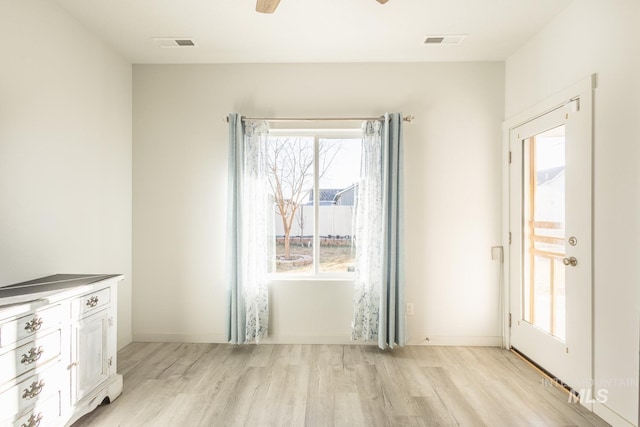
582, 90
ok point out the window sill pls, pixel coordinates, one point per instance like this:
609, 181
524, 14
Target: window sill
302, 278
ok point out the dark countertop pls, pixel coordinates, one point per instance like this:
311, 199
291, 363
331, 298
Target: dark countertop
52, 283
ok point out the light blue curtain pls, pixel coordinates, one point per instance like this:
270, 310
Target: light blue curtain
379, 236
247, 231
392, 320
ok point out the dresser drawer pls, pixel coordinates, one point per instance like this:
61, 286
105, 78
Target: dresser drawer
29, 356
90, 303
30, 392
25, 326
46, 412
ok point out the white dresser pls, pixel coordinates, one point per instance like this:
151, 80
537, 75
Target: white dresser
57, 349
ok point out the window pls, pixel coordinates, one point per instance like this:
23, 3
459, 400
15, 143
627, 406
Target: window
313, 178
275, 177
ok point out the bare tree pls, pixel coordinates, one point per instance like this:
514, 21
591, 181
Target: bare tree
301, 223
291, 170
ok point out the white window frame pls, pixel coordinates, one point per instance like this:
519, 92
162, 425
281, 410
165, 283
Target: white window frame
317, 135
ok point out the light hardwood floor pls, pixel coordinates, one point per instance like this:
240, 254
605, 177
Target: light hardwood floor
172, 384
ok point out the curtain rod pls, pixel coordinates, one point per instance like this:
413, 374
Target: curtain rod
408, 119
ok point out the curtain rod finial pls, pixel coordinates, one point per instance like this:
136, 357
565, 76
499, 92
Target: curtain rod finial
410, 118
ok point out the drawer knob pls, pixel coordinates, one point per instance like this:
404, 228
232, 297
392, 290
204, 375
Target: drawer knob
34, 324
33, 355
34, 389
92, 302
34, 420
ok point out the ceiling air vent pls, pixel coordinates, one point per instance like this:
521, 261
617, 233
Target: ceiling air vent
169, 42
442, 40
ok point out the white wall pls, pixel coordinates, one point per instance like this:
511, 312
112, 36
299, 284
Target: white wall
453, 154
593, 36
65, 151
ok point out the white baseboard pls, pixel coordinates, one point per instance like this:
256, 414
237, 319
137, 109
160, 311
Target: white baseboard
457, 341
187, 338
610, 416
328, 339
123, 342
301, 339
221, 338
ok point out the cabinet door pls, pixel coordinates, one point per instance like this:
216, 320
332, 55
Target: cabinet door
90, 352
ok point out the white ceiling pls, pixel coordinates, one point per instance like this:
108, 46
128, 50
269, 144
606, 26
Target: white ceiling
230, 31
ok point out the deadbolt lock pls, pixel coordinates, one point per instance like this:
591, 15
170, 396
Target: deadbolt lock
573, 241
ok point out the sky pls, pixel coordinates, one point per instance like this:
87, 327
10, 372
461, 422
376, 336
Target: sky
345, 168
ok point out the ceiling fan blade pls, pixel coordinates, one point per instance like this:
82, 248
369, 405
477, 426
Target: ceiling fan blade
268, 6
382, 1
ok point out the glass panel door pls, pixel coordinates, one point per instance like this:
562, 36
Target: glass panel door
543, 294
550, 252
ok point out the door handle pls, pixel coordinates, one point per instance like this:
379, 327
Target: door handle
572, 261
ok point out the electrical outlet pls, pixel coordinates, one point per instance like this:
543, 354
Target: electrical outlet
409, 309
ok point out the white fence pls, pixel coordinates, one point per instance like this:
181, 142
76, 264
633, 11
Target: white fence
335, 220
